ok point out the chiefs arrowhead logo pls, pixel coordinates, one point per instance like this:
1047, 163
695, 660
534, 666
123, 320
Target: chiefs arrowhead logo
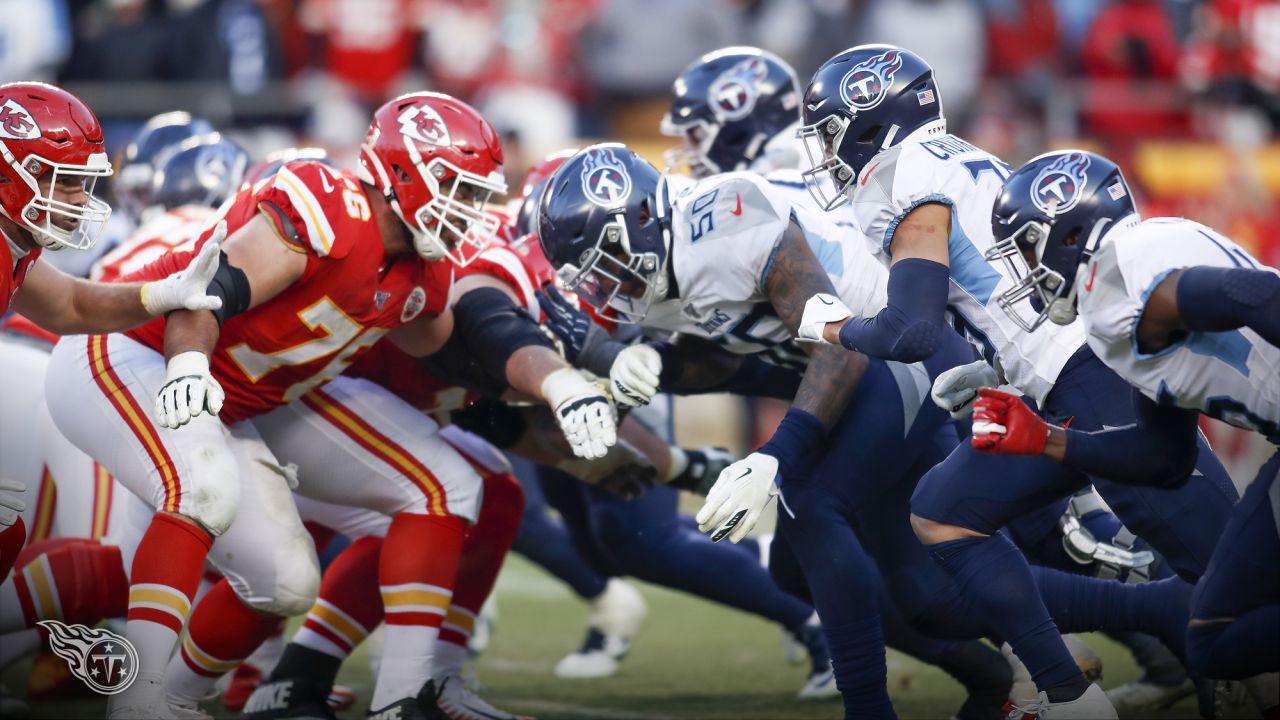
104, 661
16, 122
424, 124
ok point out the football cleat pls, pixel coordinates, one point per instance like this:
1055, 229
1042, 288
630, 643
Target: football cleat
1024, 691
460, 703
246, 678
144, 700
821, 682
820, 686
616, 615
1092, 705
422, 707
288, 698
1141, 696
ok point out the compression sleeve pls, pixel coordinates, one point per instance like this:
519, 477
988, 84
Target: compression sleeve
910, 327
492, 328
1159, 450
1213, 299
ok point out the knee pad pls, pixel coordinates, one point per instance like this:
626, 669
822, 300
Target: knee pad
297, 586
214, 497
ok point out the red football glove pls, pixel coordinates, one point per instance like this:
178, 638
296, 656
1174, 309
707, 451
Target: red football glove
1003, 424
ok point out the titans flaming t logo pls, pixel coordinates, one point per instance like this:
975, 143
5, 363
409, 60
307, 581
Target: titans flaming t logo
604, 178
733, 94
866, 84
1060, 186
104, 661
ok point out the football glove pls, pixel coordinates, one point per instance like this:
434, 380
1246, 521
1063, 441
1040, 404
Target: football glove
957, 388
189, 389
566, 322
1003, 424
10, 504
187, 288
633, 379
584, 413
740, 496
818, 311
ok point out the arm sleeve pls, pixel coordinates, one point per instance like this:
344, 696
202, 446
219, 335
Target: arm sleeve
910, 327
1159, 450
1213, 299
599, 350
492, 328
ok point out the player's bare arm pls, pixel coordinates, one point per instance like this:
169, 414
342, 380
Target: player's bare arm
832, 375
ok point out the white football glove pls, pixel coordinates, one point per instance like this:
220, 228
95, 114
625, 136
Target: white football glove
740, 496
633, 377
10, 505
189, 389
957, 388
818, 311
585, 415
187, 288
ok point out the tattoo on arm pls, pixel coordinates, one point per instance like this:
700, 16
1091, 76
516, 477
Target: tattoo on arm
833, 372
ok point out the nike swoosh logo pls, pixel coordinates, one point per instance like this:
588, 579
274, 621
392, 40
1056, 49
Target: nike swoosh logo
325, 182
748, 472
824, 301
867, 177
737, 210
1093, 275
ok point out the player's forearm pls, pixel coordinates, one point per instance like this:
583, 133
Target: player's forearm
528, 367
1214, 299
187, 330
910, 326
1159, 450
693, 367
101, 308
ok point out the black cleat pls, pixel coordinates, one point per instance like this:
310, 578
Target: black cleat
290, 698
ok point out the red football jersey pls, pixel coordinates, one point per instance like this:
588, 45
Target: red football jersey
403, 374
177, 229
350, 295
16, 273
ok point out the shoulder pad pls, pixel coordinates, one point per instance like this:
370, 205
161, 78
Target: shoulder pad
320, 210
729, 204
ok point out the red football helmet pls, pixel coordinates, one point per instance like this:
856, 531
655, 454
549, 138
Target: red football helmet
543, 169
437, 161
48, 136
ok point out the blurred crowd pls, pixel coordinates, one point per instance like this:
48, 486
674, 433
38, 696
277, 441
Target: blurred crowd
1186, 91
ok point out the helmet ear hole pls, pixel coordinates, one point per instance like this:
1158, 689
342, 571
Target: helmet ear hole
870, 134
1072, 238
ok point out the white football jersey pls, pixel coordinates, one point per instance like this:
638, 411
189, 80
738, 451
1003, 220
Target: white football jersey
948, 170
724, 232
1233, 376
783, 151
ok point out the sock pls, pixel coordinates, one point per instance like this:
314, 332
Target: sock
166, 571
222, 632
348, 606
994, 575
857, 656
1079, 603
417, 570
483, 550
73, 580
268, 653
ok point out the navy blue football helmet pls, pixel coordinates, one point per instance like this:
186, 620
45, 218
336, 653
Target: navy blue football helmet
204, 170
604, 223
157, 139
1048, 221
726, 105
862, 101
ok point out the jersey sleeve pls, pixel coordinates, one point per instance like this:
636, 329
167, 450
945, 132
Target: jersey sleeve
504, 264
314, 209
897, 182
727, 232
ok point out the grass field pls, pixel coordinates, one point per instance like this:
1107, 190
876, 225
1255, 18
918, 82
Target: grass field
694, 660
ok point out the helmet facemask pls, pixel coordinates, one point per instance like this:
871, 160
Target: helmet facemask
1052, 294
452, 225
56, 224
830, 179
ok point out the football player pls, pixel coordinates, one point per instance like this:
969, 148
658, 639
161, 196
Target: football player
53, 156
878, 140
1192, 321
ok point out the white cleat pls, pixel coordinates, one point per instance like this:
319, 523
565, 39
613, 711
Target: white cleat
1024, 690
820, 686
1092, 705
459, 703
615, 618
144, 700
1141, 696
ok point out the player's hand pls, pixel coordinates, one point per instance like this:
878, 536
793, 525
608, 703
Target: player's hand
565, 321
189, 389
10, 504
187, 289
818, 311
585, 415
740, 496
957, 388
1003, 424
633, 378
